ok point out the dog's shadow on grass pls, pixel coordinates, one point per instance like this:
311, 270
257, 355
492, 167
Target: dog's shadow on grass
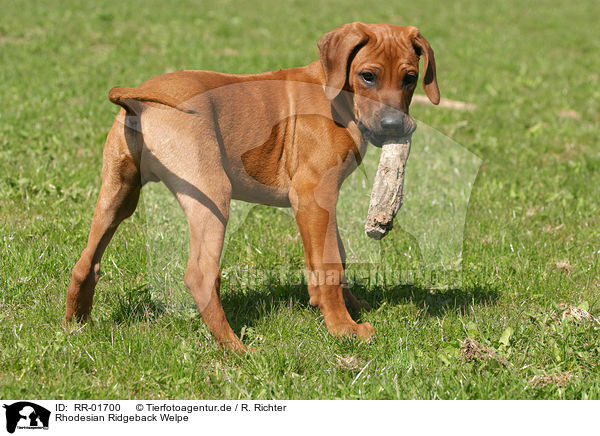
431, 301
134, 305
245, 306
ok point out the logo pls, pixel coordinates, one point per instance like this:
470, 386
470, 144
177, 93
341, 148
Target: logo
26, 415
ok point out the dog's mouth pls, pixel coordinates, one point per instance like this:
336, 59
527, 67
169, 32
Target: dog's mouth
379, 136
393, 134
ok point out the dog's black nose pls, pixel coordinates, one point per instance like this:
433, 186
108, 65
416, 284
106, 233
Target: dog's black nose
391, 123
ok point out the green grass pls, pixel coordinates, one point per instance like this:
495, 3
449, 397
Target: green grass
531, 237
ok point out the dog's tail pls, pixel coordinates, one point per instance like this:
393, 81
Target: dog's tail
126, 97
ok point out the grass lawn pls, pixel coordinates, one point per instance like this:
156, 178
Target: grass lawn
513, 316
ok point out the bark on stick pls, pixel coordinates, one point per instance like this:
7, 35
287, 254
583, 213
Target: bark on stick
386, 195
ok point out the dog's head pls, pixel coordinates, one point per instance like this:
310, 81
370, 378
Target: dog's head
378, 66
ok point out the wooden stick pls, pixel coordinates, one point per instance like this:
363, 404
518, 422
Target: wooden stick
386, 195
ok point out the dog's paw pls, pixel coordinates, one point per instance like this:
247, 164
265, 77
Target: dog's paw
362, 331
235, 346
366, 332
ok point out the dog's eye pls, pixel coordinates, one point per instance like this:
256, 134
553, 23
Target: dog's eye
410, 79
367, 77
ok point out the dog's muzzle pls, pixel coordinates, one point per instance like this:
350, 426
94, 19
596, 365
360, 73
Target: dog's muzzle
389, 128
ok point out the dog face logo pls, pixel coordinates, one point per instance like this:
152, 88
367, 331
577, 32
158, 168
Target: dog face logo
26, 415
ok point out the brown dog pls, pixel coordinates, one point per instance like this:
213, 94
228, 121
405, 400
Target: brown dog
285, 138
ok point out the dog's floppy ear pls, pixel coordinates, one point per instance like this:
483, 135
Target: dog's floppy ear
430, 85
335, 49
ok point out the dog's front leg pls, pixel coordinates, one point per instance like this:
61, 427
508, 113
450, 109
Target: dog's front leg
351, 301
314, 208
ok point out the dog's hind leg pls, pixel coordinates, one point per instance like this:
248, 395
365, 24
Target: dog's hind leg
206, 208
117, 200
183, 152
